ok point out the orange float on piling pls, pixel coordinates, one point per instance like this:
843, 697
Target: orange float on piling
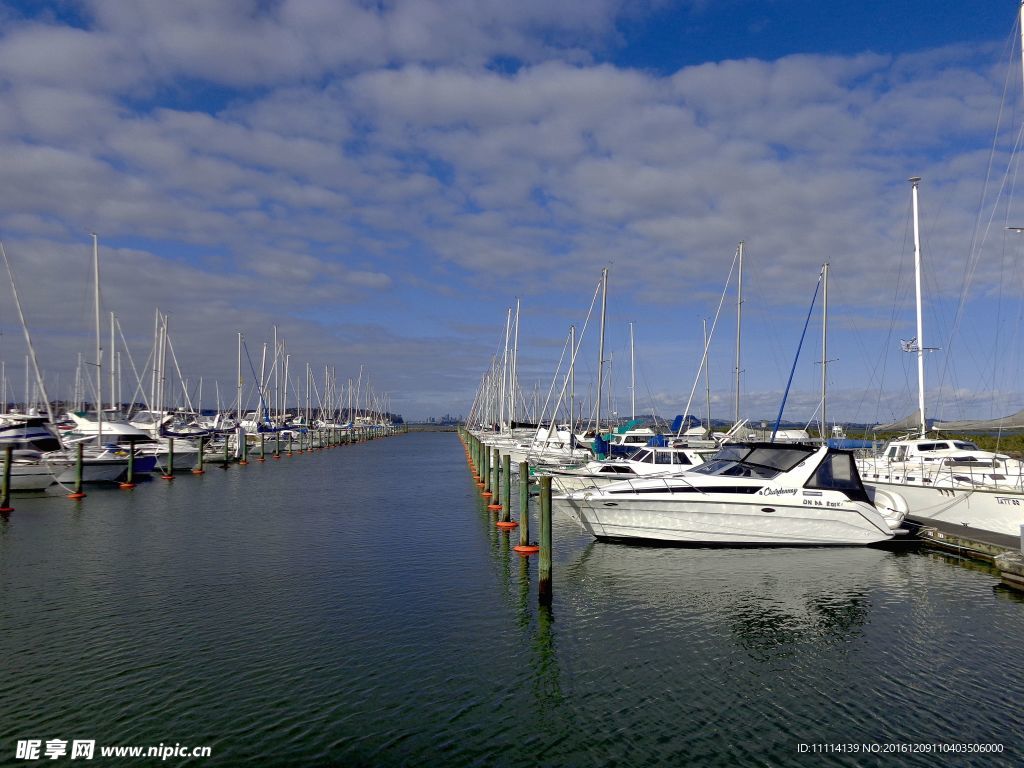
494, 507
77, 495
526, 549
487, 494
126, 486
166, 477
507, 525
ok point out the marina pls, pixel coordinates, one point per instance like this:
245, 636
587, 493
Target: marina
723, 307
330, 628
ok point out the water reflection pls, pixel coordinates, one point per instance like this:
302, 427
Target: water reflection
771, 602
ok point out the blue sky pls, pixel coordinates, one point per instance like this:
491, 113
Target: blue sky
382, 180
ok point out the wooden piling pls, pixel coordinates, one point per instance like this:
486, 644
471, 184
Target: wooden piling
198, 468
495, 504
169, 473
524, 507
129, 481
77, 493
506, 488
495, 467
544, 566
5, 482
485, 470
263, 447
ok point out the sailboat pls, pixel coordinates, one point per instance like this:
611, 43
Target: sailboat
945, 479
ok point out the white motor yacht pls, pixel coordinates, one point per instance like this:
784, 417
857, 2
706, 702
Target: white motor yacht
749, 493
645, 462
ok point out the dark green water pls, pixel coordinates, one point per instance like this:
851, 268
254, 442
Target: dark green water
357, 607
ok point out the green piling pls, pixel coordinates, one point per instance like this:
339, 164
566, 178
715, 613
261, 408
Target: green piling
198, 469
130, 479
495, 483
485, 470
524, 504
77, 493
506, 488
544, 567
169, 473
5, 483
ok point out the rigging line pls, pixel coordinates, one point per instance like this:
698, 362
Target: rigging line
884, 356
262, 400
131, 361
977, 239
572, 359
707, 346
974, 255
782, 406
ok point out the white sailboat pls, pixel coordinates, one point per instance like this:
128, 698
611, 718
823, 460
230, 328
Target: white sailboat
944, 479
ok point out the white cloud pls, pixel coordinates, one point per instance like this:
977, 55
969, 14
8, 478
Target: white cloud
356, 156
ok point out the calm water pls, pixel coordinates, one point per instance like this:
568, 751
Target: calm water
357, 607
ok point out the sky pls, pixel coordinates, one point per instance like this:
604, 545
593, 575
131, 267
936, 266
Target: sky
381, 181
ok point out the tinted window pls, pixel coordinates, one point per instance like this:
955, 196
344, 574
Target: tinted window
783, 459
838, 472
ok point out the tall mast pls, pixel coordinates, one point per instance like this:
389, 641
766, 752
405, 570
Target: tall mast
600, 350
238, 382
739, 323
632, 374
572, 376
113, 372
1021, 25
514, 373
914, 181
707, 377
504, 370
277, 399
824, 351
28, 343
99, 347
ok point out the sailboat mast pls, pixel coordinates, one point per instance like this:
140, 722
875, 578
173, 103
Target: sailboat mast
707, 377
504, 371
600, 350
824, 351
914, 181
514, 373
28, 343
238, 381
1021, 25
632, 375
739, 323
113, 373
572, 377
99, 347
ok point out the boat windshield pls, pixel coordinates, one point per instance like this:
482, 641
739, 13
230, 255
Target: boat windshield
762, 461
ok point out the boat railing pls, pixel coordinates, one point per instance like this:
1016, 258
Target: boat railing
664, 479
944, 472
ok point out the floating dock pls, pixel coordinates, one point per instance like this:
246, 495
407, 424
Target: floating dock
1000, 550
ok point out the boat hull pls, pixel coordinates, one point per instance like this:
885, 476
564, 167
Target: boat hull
31, 477
984, 509
751, 521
